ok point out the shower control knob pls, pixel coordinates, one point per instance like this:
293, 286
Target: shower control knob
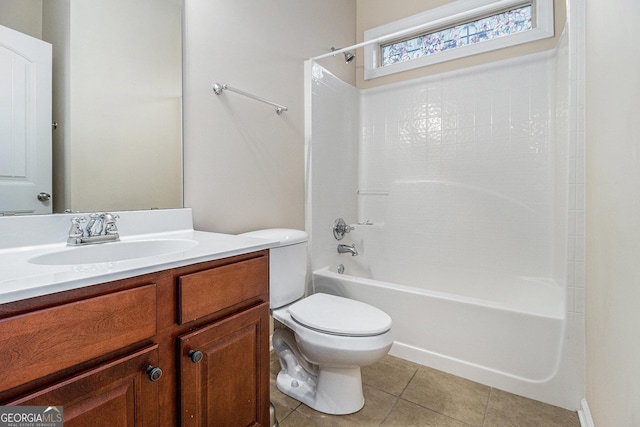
340, 228
195, 356
154, 373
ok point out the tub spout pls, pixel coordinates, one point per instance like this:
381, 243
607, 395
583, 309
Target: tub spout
348, 249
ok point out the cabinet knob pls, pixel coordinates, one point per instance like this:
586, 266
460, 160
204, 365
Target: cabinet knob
195, 356
154, 373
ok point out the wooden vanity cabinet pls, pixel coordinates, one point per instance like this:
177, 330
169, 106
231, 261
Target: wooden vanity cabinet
118, 393
186, 347
220, 371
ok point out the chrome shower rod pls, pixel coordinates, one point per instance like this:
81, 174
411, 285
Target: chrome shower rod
218, 88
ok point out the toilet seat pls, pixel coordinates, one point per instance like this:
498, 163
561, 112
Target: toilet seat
339, 316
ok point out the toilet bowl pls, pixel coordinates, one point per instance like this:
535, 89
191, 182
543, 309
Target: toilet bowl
328, 380
322, 340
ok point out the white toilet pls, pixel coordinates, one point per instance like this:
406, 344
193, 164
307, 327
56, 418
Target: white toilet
326, 338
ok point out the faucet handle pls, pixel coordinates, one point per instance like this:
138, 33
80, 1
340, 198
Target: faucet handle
340, 228
76, 229
110, 223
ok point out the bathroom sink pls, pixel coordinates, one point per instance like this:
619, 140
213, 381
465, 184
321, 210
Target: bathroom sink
113, 251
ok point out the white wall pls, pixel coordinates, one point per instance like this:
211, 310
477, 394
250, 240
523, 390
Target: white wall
613, 212
125, 105
244, 165
57, 30
22, 15
333, 110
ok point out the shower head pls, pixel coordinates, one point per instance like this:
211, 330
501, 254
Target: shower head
348, 56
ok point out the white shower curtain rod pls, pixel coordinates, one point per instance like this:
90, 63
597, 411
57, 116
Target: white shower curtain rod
488, 8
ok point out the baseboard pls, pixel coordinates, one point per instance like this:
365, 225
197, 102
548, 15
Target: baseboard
584, 413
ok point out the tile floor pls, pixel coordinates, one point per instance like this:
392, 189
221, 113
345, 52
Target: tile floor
402, 393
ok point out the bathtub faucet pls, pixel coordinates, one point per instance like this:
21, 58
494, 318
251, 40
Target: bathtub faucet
347, 249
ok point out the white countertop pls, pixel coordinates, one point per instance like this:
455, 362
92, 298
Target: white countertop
22, 238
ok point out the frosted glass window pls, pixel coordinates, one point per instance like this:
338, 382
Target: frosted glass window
454, 30
487, 28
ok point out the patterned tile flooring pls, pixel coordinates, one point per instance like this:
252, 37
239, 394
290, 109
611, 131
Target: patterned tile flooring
402, 393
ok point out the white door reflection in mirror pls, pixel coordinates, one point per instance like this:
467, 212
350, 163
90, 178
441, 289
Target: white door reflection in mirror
25, 124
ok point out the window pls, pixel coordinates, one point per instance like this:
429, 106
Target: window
459, 29
489, 28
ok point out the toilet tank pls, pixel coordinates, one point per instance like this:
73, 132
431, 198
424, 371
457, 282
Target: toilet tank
287, 264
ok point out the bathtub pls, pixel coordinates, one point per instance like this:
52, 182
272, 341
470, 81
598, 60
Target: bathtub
503, 331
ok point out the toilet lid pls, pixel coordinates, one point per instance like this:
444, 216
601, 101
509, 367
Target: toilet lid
340, 316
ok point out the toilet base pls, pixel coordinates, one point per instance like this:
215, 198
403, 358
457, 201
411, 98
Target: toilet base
337, 391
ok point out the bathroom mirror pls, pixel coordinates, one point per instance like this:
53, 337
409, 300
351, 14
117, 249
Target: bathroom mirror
117, 102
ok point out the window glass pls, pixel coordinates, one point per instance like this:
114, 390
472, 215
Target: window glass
435, 35
487, 28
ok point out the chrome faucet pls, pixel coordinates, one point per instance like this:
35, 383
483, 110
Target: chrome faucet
347, 249
95, 225
100, 228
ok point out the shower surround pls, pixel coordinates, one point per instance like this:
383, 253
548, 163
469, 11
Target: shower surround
471, 174
464, 164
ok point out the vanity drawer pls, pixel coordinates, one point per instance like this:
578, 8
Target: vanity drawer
208, 291
49, 340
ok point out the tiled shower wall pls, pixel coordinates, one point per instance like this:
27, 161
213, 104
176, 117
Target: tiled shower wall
576, 159
485, 166
464, 164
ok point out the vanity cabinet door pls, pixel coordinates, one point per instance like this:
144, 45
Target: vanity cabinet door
119, 393
224, 371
